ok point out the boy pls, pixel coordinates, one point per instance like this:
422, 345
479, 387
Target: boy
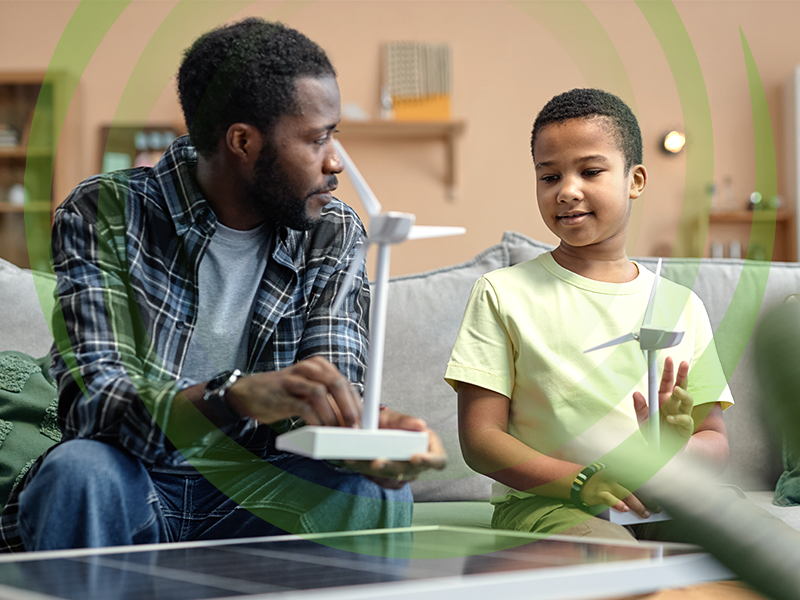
535, 411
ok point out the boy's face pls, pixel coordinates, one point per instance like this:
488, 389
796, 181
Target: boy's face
582, 187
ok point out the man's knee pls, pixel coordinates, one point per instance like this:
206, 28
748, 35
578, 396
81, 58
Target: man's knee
88, 466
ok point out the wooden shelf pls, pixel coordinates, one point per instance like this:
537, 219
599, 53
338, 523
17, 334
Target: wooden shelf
446, 131
752, 229
750, 216
43, 206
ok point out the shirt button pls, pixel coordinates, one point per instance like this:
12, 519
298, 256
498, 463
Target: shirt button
179, 325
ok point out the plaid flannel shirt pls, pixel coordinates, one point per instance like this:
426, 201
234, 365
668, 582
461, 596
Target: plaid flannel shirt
126, 250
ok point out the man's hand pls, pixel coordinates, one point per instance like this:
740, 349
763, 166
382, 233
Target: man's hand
393, 474
674, 401
313, 389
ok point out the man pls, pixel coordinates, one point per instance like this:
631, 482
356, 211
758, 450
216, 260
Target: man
172, 281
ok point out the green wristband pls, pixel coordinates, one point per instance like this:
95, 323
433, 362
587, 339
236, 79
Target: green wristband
580, 481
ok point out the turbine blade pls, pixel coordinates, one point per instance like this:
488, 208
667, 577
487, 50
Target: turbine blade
648, 313
363, 190
616, 341
344, 289
419, 232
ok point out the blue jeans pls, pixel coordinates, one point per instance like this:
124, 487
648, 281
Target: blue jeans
90, 494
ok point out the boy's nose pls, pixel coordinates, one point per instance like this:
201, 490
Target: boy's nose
569, 191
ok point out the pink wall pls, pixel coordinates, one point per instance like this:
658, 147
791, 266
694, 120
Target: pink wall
509, 58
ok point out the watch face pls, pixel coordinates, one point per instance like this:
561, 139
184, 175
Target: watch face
218, 381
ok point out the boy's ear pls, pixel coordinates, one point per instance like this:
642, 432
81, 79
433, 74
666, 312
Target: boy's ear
638, 181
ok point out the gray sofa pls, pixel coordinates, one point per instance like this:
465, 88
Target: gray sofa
425, 312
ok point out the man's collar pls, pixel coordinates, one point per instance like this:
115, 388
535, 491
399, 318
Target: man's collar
185, 201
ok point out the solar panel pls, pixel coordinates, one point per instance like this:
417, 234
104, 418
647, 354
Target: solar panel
420, 562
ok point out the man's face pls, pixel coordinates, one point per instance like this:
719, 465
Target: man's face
296, 169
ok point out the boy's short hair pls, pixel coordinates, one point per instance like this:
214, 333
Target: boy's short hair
244, 73
581, 103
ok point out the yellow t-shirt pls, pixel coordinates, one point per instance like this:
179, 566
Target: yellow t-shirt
524, 334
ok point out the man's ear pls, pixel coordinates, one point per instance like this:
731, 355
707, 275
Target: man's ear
638, 181
244, 142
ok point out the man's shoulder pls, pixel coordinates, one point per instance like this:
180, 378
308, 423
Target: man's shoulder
339, 227
107, 193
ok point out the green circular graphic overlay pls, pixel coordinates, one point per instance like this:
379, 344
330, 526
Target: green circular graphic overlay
592, 51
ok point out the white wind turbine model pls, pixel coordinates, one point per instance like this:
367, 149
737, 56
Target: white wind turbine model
385, 229
650, 340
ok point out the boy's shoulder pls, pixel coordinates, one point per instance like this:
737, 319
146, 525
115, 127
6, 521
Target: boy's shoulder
526, 271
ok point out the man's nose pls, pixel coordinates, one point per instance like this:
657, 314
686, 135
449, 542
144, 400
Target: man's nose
333, 162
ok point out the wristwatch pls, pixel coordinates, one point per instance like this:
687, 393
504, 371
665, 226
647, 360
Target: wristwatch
214, 396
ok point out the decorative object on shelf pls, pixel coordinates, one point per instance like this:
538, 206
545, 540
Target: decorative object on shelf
369, 442
126, 146
673, 142
735, 249
353, 112
754, 201
416, 81
9, 138
17, 194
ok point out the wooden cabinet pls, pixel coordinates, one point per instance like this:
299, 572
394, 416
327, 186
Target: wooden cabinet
31, 111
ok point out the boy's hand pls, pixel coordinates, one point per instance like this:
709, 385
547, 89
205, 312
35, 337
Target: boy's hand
602, 488
674, 401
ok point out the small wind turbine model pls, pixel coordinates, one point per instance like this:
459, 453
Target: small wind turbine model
369, 442
650, 341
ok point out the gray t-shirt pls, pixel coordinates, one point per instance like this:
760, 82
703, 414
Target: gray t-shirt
230, 273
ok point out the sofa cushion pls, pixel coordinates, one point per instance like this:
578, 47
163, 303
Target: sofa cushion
23, 325
424, 315
521, 247
28, 419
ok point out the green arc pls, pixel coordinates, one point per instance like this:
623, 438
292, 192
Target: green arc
93, 19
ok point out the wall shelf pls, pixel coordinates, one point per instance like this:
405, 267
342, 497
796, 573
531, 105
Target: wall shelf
749, 216
755, 230
43, 206
446, 131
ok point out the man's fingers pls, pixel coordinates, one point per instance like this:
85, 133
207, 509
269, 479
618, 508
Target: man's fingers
315, 397
332, 386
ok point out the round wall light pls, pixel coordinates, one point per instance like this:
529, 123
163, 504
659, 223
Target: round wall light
673, 142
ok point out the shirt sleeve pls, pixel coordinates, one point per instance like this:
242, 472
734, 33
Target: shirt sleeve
341, 338
483, 354
111, 385
707, 382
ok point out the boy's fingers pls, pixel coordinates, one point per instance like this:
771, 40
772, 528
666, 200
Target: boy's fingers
667, 377
640, 408
683, 373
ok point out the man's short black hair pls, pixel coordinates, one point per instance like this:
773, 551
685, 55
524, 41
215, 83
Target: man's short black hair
582, 103
244, 73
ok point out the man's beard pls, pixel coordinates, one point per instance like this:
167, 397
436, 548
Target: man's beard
273, 196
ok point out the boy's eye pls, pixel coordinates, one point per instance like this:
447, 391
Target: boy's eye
592, 172
550, 178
